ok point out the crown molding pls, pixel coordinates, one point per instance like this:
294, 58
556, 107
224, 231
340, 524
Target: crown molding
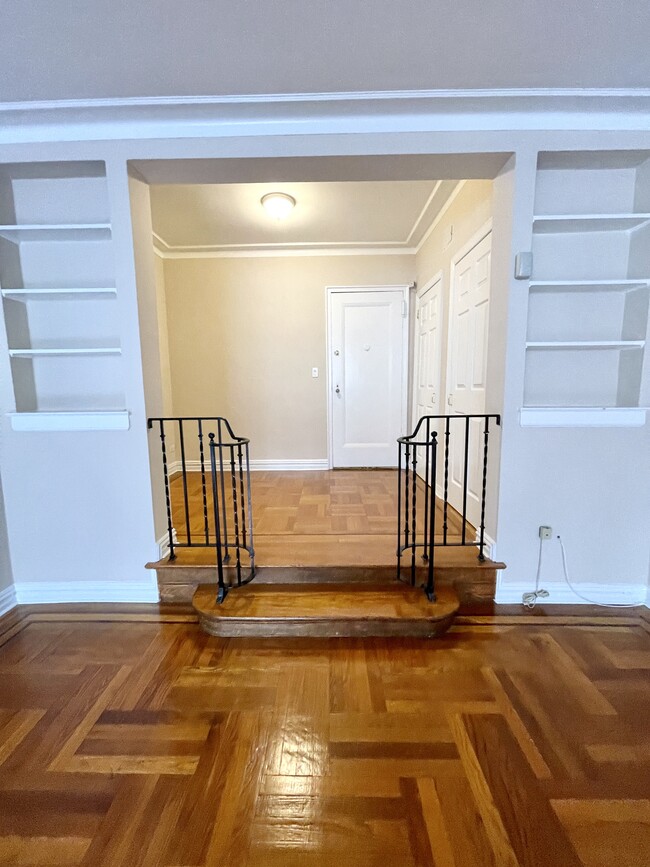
165, 250
300, 113
282, 252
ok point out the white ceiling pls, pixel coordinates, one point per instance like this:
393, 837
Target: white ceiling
88, 49
227, 217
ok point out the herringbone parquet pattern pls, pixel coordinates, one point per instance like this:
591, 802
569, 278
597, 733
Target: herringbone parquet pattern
508, 742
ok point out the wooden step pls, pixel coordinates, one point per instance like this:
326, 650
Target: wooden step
474, 581
279, 611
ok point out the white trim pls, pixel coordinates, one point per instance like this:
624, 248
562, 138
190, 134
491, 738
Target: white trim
423, 212
8, 600
271, 465
437, 278
534, 416
105, 119
441, 213
165, 250
331, 290
163, 544
509, 593
283, 252
520, 93
69, 421
49, 592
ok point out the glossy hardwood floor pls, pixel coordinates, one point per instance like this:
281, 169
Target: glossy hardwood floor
132, 738
329, 517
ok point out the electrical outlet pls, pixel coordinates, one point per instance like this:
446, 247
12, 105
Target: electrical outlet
545, 532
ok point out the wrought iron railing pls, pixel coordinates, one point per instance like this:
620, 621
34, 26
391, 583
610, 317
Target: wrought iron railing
218, 474
422, 470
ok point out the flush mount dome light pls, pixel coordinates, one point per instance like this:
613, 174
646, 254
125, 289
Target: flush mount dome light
278, 205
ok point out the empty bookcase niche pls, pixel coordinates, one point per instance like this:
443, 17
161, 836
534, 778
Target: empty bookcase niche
588, 298
57, 278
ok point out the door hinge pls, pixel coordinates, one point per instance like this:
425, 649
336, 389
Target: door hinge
404, 309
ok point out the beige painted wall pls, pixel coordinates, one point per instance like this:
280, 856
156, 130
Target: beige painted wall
467, 214
244, 334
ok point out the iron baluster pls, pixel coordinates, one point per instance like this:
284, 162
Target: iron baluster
426, 498
429, 587
406, 497
184, 471
241, 491
486, 435
465, 474
251, 548
168, 499
221, 584
446, 485
399, 510
235, 512
206, 525
223, 492
414, 513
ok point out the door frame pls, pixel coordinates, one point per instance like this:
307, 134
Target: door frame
439, 277
404, 288
482, 233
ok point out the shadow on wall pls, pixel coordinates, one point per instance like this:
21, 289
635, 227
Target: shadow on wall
6, 578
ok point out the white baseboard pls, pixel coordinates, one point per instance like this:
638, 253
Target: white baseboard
49, 592
7, 600
510, 593
163, 544
269, 465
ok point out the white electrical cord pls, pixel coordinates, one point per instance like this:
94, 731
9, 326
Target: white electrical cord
529, 599
584, 598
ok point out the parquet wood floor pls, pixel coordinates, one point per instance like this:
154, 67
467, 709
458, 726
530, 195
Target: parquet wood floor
332, 517
132, 738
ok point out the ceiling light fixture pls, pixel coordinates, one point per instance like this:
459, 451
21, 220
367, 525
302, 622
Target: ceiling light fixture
278, 205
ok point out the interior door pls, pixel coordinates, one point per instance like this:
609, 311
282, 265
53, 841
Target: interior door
367, 354
470, 298
426, 389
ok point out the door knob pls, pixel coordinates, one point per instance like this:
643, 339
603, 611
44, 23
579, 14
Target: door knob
338, 390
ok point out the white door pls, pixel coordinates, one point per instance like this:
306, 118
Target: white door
470, 298
367, 349
426, 386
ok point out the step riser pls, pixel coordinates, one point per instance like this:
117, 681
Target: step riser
326, 629
474, 585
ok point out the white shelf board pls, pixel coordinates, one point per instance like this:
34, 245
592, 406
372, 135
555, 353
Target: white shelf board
582, 416
37, 353
81, 420
586, 344
587, 285
62, 293
552, 224
57, 232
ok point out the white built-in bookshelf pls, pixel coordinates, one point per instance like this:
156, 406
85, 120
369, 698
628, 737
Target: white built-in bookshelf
57, 282
588, 298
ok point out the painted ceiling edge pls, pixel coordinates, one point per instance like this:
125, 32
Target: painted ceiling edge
382, 248
333, 96
104, 119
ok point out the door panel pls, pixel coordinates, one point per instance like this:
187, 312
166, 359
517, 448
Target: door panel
367, 346
428, 350
470, 297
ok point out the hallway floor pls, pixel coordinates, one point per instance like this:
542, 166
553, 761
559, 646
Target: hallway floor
320, 518
129, 738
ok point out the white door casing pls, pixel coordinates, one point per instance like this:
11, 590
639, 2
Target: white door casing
367, 375
428, 346
466, 374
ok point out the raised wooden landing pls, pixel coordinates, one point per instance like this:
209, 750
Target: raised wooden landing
473, 581
333, 611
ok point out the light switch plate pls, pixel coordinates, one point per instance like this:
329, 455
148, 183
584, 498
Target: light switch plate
314, 372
